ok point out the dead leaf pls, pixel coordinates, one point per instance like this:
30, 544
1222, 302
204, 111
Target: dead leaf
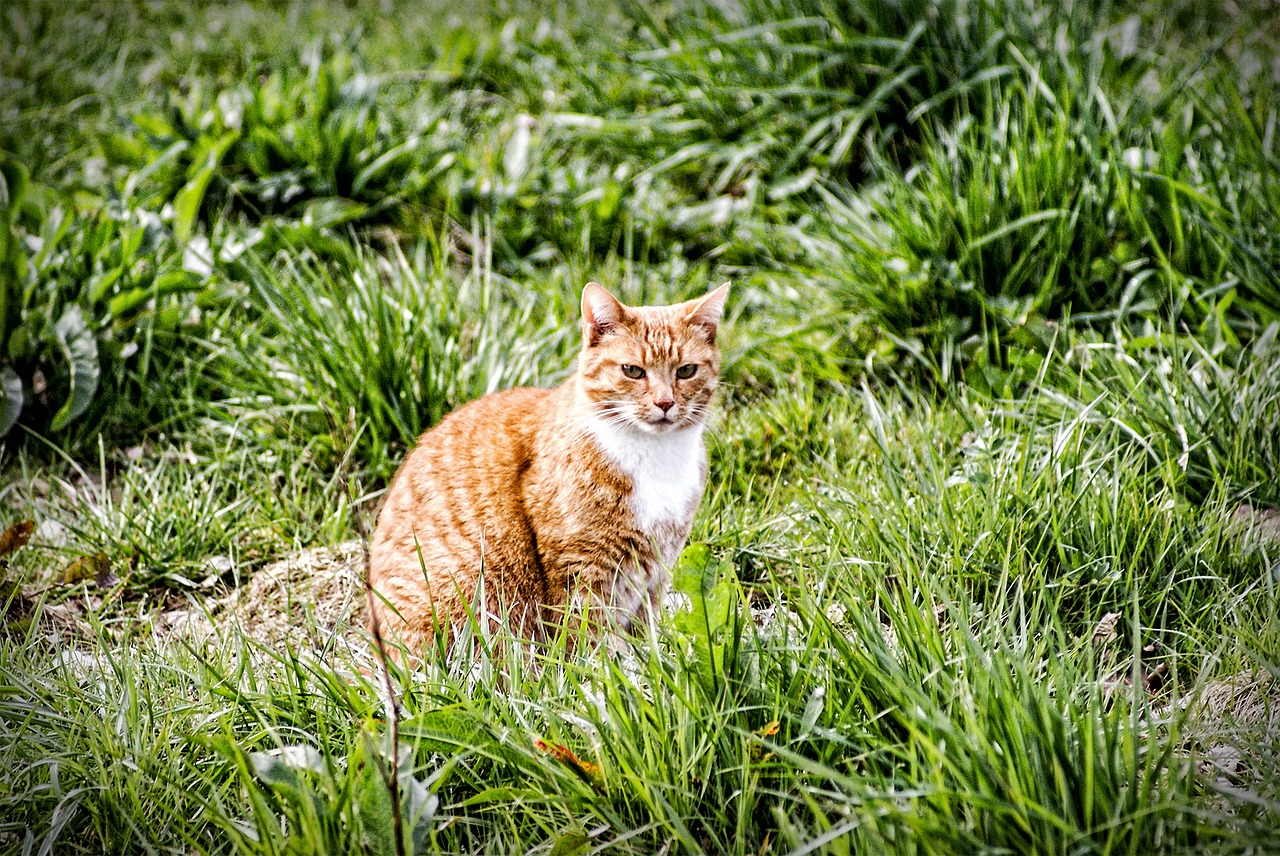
96, 567
16, 537
1153, 678
1105, 631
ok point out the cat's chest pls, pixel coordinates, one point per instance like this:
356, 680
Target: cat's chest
665, 472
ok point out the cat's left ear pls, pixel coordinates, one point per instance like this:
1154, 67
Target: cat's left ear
705, 312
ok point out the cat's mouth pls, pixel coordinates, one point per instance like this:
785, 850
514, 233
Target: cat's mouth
660, 423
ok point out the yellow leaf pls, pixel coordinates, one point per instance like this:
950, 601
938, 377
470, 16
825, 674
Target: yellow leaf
768, 729
589, 772
754, 749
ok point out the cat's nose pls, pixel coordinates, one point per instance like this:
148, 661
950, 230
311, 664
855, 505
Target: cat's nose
664, 402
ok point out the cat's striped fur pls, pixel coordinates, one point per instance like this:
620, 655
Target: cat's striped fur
580, 494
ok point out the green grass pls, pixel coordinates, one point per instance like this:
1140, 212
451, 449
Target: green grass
1000, 367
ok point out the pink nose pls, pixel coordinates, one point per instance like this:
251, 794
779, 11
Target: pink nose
664, 403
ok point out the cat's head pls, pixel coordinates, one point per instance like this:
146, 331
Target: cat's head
651, 369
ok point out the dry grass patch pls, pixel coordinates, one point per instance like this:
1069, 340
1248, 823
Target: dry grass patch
312, 598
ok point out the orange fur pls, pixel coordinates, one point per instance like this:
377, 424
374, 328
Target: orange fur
582, 494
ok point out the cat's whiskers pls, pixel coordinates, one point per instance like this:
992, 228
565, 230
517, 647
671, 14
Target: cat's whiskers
615, 413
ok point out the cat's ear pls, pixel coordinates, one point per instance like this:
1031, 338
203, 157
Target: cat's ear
705, 312
601, 312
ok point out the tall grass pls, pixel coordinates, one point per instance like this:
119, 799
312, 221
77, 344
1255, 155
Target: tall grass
909, 666
375, 351
1036, 208
926, 723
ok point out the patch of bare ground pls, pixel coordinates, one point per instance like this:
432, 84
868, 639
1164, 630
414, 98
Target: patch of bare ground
1248, 701
1234, 721
1260, 525
314, 598
1232, 733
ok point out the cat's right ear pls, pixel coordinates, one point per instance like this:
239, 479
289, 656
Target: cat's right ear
601, 312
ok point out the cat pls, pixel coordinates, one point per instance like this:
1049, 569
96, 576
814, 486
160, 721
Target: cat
529, 502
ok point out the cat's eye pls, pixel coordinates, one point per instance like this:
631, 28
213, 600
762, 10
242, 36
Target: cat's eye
686, 371
633, 372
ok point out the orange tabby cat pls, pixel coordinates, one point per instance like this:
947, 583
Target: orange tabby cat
582, 494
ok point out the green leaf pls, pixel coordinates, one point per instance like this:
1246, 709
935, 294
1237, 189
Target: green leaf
373, 807
272, 771
570, 843
712, 598
100, 285
154, 165
153, 125
445, 729
501, 795
172, 282
279, 766
13, 184
123, 148
688, 573
420, 806
186, 205
22, 343
381, 163
80, 349
52, 231
11, 399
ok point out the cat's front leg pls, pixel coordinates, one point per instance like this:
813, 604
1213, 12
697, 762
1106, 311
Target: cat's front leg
597, 600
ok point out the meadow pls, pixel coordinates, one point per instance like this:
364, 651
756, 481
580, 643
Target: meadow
989, 555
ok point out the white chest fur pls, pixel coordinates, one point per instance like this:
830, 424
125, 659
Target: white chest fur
665, 470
